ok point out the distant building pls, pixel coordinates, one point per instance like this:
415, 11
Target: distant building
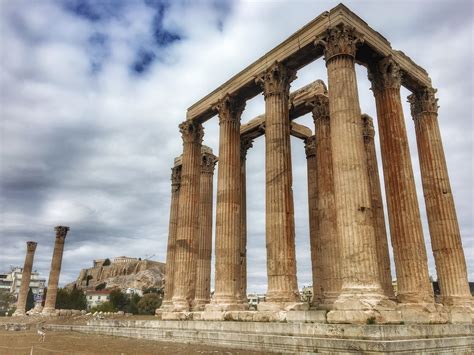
96, 298
11, 281
306, 294
254, 299
134, 291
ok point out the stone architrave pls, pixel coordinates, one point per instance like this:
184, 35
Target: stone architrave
173, 227
188, 212
314, 235
406, 231
329, 254
279, 224
50, 303
361, 294
203, 270
383, 256
245, 145
228, 209
440, 208
25, 279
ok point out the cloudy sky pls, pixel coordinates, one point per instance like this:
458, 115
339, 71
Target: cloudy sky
92, 93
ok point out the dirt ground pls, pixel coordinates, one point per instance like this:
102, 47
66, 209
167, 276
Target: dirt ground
27, 341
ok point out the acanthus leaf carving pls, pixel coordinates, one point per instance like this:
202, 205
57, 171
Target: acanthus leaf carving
245, 144
339, 40
230, 108
310, 146
320, 107
208, 162
385, 74
276, 80
192, 132
423, 101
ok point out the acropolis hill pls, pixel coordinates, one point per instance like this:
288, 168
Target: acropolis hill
122, 272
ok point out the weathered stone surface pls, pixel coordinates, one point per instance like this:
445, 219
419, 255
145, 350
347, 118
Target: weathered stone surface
306, 316
429, 313
50, 302
25, 279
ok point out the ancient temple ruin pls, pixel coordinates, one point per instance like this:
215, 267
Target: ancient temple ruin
349, 242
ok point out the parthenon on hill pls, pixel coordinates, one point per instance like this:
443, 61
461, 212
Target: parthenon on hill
349, 243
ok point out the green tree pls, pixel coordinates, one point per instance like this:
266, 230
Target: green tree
100, 286
149, 303
88, 278
104, 307
30, 300
45, 291
119, 299
71, 299
132, 306
106, 262
7, 299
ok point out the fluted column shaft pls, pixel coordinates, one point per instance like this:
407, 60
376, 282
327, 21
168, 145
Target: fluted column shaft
245, 144
440, 208
330, 254
53, 280
351, 185
404, 214
228, 209
203, 270
314, 235
188, 213
280, 225
383, 256
25, 279
172, 232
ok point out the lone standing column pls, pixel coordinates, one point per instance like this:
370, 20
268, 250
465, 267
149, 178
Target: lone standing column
50, 303
330, 253
314, 235
203, 270
404, 214
25, 279
361, 289
188, 213
228, 209
279, 224
383, 256
440, 208
173, 227
245, 145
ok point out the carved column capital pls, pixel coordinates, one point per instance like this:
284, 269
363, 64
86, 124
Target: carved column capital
276, 80
339, 40
208, 162
423, 101
31, 246
368, 127
176, 177
61, 232
230, 109
310, 146
385, 74
192, 132
320, 107
245, 144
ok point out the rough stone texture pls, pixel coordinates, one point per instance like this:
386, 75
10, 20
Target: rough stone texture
383, 256
50, 302
25, 279
294, 337
188, 213
403, 211
361, 289
440, 208
279, 223
203, 271
245, 145
172, 232
329, 255
228, 209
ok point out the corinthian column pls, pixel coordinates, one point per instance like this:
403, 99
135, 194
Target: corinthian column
173, 228
203, 270
25, 279
245, 144
361, 289
279, 223
383, 256
442, 219
50, 303
228, 218
403, 211
314, 235
188, 213
329, 253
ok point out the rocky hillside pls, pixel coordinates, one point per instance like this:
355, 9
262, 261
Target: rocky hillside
123, 273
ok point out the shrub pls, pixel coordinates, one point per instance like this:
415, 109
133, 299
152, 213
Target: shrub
104, 307
149, 303
101, 286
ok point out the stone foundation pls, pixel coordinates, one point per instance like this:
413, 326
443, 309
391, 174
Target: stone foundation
294, 337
